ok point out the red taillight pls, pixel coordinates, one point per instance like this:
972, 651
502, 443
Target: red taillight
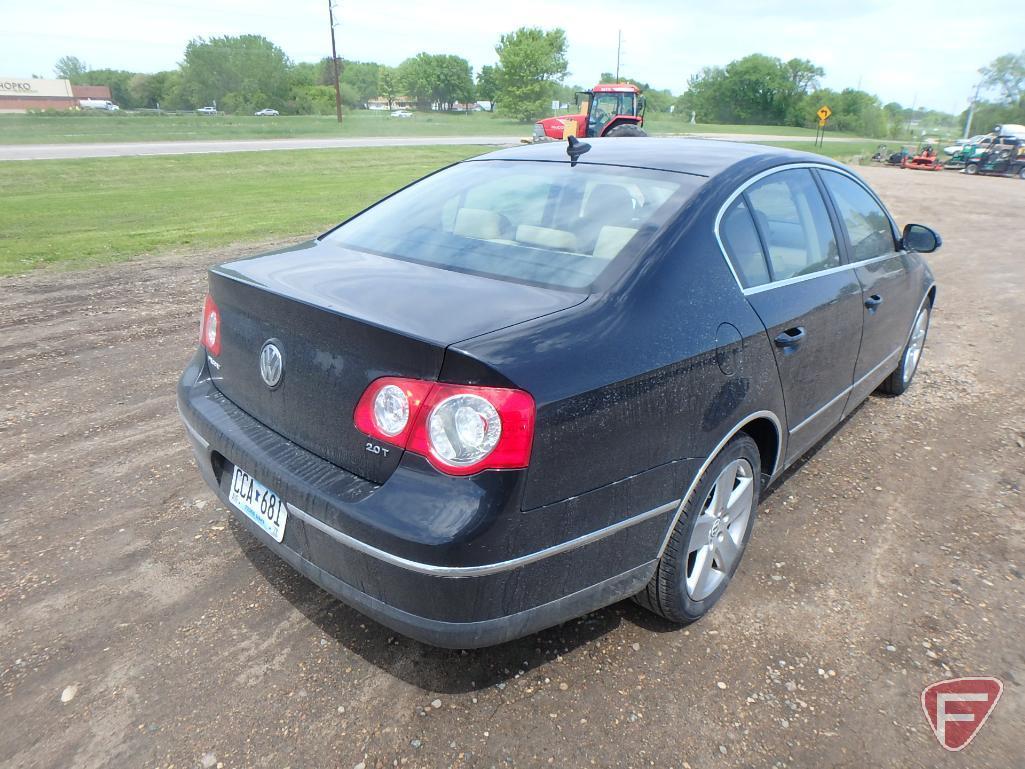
460, 429
210, 327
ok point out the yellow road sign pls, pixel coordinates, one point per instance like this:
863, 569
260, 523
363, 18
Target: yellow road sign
822, 122
824, 113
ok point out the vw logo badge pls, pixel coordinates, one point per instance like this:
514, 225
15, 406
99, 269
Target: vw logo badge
271, 365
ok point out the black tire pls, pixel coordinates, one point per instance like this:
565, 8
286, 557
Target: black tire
971, 169
667, 594
898, 382
1021, 173
627, 129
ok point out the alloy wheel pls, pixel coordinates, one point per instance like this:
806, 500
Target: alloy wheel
913, 354
717, 537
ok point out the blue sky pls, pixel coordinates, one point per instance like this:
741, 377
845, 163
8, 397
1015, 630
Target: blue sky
867, 43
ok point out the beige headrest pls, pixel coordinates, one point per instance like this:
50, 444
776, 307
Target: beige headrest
477, 223
611, 241
546, 237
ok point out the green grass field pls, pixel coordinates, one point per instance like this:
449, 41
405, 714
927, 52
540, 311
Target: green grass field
125, 127
84, 212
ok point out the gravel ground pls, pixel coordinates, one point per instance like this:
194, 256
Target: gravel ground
140, 627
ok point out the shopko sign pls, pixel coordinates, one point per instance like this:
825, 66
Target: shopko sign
20, 86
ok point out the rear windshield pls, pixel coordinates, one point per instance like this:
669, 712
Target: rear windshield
536, 222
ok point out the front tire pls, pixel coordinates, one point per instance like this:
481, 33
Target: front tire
708, 541
971, 169
900, 380
628, 129
1021, 173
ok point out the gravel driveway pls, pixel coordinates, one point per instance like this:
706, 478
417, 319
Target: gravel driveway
140, 627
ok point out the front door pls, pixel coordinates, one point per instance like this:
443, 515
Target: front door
888, 290
811, 305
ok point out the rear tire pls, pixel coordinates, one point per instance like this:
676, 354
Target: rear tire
699, 562
900, 380
1021, 173
629, 129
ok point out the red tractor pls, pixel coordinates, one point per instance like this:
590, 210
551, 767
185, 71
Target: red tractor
615, 109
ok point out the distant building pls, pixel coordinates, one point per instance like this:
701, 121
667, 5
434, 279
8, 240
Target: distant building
20, 94
399, 102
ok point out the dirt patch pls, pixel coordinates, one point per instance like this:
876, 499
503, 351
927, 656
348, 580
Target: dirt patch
891, 558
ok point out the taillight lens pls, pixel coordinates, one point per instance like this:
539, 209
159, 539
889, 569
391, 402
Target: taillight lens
210, 327
460, 429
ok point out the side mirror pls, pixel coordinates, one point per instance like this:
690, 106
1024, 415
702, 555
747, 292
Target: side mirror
918, 237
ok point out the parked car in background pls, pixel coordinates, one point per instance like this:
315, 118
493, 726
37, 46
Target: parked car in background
207, 110
545, 379
267, 113
402, 113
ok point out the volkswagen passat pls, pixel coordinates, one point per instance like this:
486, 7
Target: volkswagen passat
550, 378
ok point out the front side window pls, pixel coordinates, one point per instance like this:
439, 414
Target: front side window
868, 226
546, 223
793, 224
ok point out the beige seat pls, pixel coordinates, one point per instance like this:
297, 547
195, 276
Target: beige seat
546, 237
611, 241
478, 223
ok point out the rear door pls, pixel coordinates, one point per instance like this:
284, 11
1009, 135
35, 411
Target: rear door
786, 254
888, 288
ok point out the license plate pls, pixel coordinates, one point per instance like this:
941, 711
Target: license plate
261, 504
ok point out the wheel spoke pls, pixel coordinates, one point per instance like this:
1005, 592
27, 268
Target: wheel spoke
702, 528
726, 552
724, 488
700, 573
740, 500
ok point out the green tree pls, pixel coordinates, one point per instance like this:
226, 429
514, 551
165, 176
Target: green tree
388, 86
755, 89
247, 67
119, 82
436, 79
70, 68
532, 61
487, 84
1006, 74
362, 77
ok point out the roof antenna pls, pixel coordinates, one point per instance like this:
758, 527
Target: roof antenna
575, 149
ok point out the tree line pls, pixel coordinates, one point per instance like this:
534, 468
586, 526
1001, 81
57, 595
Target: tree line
249, 72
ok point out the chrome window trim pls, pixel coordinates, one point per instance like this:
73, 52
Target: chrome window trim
475, 571
799, 278
771, 416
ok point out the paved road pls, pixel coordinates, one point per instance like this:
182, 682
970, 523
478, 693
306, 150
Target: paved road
893, 557
129, 149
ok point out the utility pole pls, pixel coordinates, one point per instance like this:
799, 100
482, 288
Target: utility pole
334, 60
619, 49
971, 112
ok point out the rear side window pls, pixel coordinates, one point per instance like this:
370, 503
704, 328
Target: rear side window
868, 226
741, 240
793, 223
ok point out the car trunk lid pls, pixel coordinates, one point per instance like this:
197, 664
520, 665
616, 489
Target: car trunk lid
342, 319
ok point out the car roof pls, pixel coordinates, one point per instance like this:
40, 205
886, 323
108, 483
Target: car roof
701, 157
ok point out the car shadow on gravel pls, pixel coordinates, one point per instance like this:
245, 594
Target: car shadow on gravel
427, 667
458, 671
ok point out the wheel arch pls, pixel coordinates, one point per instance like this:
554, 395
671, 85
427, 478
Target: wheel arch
765, 429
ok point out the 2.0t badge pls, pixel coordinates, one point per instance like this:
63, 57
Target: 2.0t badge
271, 364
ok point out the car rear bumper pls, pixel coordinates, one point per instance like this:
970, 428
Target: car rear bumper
441, 593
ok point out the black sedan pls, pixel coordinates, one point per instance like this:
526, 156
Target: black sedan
551, 377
